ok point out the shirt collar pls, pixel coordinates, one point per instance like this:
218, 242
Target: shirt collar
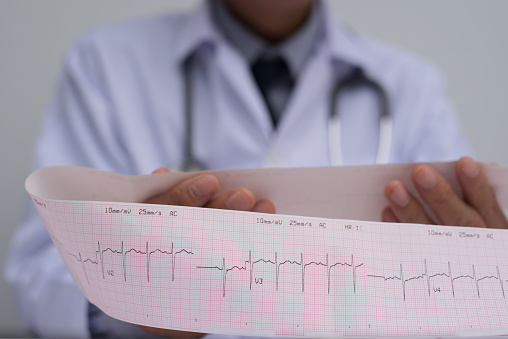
294, 50
198, 28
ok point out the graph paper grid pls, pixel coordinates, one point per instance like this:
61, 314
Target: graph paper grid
219, 271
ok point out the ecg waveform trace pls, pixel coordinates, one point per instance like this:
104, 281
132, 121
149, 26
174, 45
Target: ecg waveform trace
248, 265
99, 258
428, 276
302, 272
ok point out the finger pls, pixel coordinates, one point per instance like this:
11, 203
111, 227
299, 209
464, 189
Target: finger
264, 206
448, 207
478, 193
404, 206
161, 170
240, 199
388, 216
196, 192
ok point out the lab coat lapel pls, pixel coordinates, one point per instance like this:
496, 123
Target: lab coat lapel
309, 97
238, 75
198, 28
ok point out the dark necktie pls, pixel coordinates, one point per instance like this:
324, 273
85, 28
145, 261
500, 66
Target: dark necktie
270, 73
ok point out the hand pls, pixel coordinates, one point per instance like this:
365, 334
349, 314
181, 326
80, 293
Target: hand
478, 208
201, 191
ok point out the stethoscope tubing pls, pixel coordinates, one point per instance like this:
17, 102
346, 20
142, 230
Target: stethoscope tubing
356, 79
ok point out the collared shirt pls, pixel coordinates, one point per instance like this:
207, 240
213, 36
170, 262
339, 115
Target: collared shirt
295, 50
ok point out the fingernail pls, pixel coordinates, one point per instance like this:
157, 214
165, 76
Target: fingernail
426, 178
399, 196
264, 206
204, 186
238, 201
470, 168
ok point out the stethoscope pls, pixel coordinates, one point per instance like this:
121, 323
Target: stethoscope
356, 79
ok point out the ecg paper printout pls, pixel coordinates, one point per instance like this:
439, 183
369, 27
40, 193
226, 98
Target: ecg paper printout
219, 271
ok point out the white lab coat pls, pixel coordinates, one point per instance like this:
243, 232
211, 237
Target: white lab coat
119, 108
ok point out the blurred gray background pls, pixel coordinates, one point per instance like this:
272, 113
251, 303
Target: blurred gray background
465, 38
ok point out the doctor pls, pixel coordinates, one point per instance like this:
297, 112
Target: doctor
236, 84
